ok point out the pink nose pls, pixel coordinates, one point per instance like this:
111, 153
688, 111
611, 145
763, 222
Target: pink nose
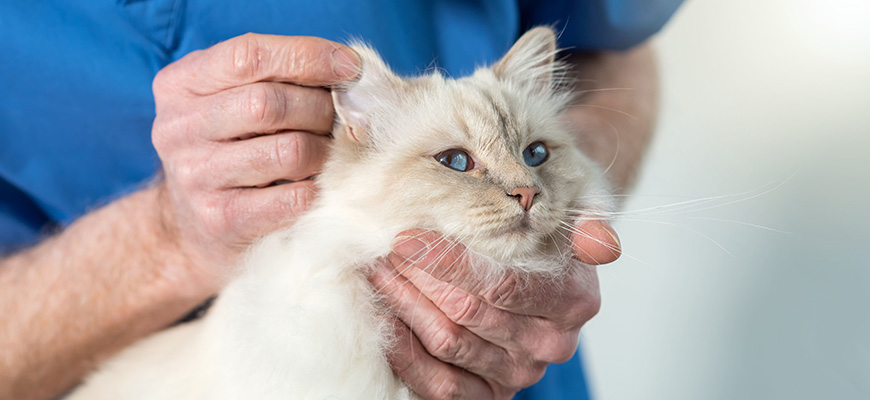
526, 195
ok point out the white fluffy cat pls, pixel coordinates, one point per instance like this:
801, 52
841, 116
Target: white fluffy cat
462, 157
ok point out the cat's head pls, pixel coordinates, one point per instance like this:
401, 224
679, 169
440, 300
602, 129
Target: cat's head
484, 159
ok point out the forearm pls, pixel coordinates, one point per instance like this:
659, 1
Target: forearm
112, 277
615, 115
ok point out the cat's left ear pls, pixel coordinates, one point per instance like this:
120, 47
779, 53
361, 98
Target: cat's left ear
355, 102
531, 61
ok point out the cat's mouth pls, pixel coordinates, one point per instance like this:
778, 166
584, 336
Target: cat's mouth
523, 225
532, 227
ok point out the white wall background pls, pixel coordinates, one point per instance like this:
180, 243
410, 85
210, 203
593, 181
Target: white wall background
769, 101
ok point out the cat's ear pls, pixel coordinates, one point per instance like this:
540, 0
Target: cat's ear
355, 102
531, 61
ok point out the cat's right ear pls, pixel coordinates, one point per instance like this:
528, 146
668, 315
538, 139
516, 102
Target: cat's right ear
531, 60
357, 101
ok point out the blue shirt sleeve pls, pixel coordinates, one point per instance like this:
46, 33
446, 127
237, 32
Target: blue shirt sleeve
566, 381
21, 221
599, 24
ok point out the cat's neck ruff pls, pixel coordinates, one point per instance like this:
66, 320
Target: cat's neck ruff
333, 235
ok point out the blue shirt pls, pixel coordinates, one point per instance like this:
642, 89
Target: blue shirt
75, 83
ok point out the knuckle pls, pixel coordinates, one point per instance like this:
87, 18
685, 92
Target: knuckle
402, 362
263, 105
248, 56
449, 345
170, 78
297, 201
502, 294
448, 387
212, 216
463, 309
562, 354
557, 347
186, 170
183, 172
170, 134
160, 85
257, 103
582, 309
160, 138
393, 290
289, 152
533, 375
165, 79
578, 301
592, 305
526, 376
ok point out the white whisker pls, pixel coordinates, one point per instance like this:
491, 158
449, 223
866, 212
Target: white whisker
687, 229
767, 228
607, 108
615, 153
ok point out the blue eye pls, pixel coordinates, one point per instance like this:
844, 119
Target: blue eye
455, 159
535, 154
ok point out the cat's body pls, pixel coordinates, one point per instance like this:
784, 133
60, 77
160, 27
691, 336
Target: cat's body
306, 332
300, 321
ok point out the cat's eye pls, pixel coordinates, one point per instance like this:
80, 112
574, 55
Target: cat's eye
535, 154
455, 159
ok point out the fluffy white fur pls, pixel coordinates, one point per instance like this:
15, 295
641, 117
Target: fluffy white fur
300, 321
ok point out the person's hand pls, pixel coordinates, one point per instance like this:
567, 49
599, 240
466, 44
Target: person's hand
459, 337
239, 128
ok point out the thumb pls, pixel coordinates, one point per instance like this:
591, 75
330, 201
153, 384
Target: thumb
595, 243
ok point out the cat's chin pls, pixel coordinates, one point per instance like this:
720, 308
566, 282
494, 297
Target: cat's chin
518, 244
516, 252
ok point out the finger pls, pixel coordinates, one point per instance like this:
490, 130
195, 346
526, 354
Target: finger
428, 377
437, 255
263, 160
566, 299
595, 243
266, 107
442, 338
301, 60
495, 325
251, 213
529, 338
449, 262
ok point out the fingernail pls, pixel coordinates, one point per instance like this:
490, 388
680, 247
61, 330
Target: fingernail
345, 63
617, 249
410, 248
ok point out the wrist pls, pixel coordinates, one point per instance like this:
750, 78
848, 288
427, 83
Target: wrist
181, 277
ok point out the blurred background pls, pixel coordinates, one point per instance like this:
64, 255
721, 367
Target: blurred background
758, 285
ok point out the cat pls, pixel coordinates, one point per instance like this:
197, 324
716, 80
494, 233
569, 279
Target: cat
484, 159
